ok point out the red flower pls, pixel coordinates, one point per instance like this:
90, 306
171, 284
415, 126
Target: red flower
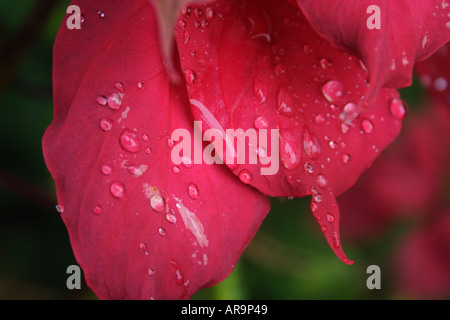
142, 226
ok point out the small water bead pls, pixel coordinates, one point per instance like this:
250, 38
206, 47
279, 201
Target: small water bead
157, 203
98, 209
289, 153
332, 145
307, 49
117, 189
59, 208
171, 218
333, 91
311, 144
367, 126
176, 169
209, 13
319, 119
148, 150
259, 91
245, 176
325, 63
170, 143
140, 85
322, 181
187, 162
115, 100
193, 191
162, 231
345, 158
330, 218
187, 37
285, 103
107, 170
344, 128
324, 229
261, 123
182, 24
150, 271
309, 167
101, 100
349, 113
129, 141
189, 76
119, 86
106, 124
101, 14
398, 109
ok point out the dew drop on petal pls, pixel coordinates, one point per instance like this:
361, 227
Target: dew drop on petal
330, 218
322, 181
189, 76
367, 126
346, 158
101, 14
115, 100
325, 63
333, 90
344, 128
289, 152
98, 209
245, 176
311, 144
117, 189
259, 91
176, 169
349, 113
209, 13
285, 105
319, 119
309, 167
140, 85
107, 170
161, 231
106, 124
398, 109
119, 86
129, 141
171, 218
157, 203
59, 208
193, 191
261, 123
101, 100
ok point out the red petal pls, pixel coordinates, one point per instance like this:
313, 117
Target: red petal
140, 227
410, 31
434, 74
260, 65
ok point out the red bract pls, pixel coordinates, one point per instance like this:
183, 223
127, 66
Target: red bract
140, 226
262, 60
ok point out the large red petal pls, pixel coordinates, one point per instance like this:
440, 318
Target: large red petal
259, 64
410, 31
140, 226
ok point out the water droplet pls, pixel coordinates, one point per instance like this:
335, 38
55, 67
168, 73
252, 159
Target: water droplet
107, 170
344, 128
140, 85
187, 161
346, 158
324, 229
161, 231
106, 124
333, 91
245, 176
148, 150
189, 76
170, 143
261, 123
98, 209
115, 100
101, 100
171, 218
101, 14
398, 109
262, 152
311, 144
209, 13
187, 37
119, 86
289, 152
179, 277
309, 167
176, 169
319, 119
349, 113
259, 91
330, 218
150, 271
181, 24
157, 203
322, 181
193, 191
129, 141
285, 104
325, 63
307, 49
332, 145
59, 208
367, 126
117, 189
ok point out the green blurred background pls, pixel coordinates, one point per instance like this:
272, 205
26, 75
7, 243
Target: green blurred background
288, 259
